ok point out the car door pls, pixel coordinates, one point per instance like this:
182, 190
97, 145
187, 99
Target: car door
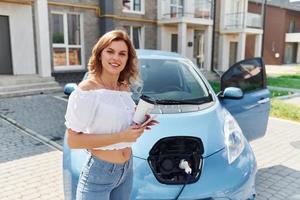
251, 111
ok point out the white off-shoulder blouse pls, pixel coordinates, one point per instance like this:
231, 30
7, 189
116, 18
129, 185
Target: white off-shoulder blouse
100, 111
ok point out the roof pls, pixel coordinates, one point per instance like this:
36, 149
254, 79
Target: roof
287, 4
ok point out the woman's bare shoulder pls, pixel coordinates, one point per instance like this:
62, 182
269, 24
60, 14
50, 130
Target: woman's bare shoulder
89, 84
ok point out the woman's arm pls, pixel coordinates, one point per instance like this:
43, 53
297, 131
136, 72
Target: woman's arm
89, 141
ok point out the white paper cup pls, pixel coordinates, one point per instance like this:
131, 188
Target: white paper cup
142, 109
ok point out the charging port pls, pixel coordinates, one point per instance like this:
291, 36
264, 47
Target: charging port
173, 158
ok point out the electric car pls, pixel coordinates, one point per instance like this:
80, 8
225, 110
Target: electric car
200, 149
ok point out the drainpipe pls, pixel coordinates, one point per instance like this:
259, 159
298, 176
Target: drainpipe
213, 38
264, 26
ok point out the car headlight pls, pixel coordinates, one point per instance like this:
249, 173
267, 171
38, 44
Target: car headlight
233, 137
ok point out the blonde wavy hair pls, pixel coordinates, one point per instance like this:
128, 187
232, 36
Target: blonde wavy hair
130, 72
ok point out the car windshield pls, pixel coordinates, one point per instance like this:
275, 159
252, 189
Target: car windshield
171, 82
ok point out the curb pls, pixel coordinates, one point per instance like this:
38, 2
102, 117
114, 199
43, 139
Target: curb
37, 91
32, 133
285, 120
288, 96
284, 89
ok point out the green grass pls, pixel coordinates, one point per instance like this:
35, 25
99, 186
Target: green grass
215, 85
279, 108
284, 110
278, 93
274, 93
288, 81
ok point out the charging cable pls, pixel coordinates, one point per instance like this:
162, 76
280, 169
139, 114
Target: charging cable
188, 179
185, 165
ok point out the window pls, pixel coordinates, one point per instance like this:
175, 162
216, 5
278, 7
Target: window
176, 8
171, 79
248, 75
136, 34
134, 6
292, 25
202, 8
290, 52
199, 47
174, 43
67, 41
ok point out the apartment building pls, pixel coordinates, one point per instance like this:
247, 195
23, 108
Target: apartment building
55, 38
282, 31
235, 26
17, 53
171, 25
73, 29
186, 27
137, 17
47, 38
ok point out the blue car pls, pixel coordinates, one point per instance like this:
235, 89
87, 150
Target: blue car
200, 149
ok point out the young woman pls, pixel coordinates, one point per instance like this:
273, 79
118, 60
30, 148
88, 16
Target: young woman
99, 119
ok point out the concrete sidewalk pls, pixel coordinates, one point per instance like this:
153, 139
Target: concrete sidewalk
293, 100
277, 70
278, 160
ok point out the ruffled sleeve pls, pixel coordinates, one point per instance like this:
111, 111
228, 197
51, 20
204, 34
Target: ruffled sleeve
80, 111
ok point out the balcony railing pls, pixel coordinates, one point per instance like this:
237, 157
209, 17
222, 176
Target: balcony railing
201, 14
294, 30
192, 9
242, 20
254, 20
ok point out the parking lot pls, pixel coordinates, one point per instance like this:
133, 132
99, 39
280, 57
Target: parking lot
31, 169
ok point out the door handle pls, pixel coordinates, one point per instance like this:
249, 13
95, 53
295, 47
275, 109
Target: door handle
262, 101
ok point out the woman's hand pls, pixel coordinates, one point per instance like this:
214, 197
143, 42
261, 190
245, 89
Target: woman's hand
132, 133
152, 122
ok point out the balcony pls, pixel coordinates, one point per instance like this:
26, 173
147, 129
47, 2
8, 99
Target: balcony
243, 20
201, 14
293, 35
199, 9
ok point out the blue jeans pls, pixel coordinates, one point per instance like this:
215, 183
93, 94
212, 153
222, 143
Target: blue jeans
103, 180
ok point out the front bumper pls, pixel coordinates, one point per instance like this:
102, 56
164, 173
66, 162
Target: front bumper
218, 180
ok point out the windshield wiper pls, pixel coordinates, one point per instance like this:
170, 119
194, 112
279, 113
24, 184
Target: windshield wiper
186, 101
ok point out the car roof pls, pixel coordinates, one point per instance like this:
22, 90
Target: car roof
157, 54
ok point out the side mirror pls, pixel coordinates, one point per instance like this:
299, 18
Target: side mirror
231, 93
69, 88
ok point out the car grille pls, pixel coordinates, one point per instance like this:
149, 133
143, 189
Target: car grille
166, 155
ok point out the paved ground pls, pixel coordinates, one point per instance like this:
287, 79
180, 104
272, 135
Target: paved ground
29, 169
32, 170
294, 100
40, 113
278, 159
277, 70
